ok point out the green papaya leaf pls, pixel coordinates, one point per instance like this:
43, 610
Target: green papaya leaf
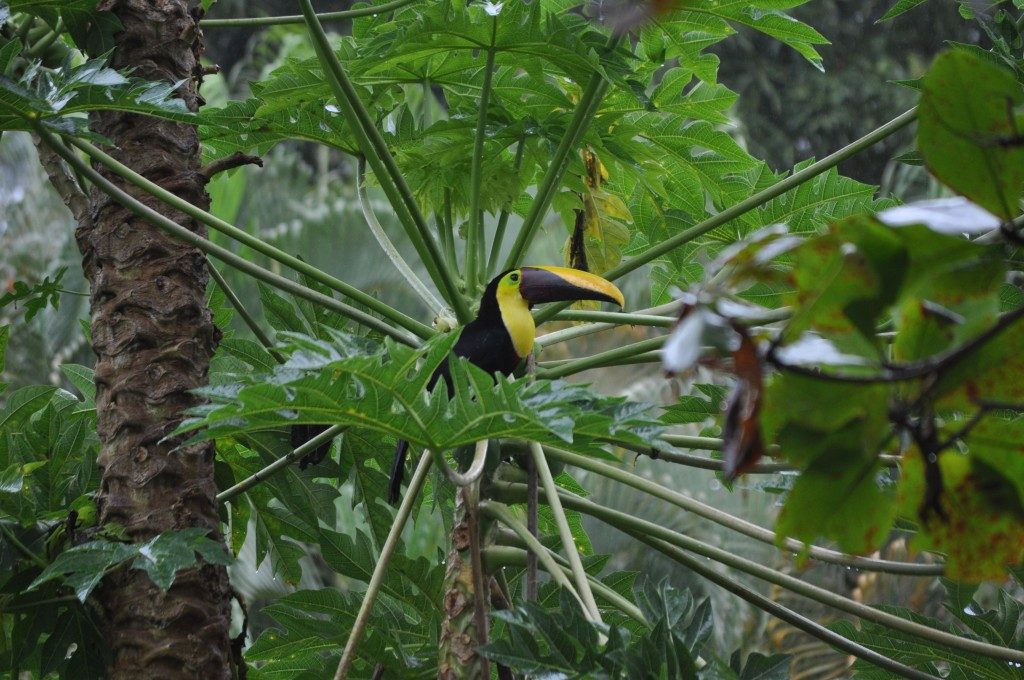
967, 122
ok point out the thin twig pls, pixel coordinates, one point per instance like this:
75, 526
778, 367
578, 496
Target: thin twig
909, 371
235, 160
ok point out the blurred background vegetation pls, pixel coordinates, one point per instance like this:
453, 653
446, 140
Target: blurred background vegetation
303, 201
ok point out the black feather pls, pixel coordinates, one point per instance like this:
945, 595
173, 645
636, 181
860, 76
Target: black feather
486, 343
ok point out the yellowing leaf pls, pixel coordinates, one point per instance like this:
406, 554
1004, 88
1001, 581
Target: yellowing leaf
599, 232
980, 535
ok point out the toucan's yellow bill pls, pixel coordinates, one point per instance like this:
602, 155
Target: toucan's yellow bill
560, 284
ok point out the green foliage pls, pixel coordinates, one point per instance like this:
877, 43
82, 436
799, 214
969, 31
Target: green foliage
788, 113
81, 567
92, 30
56, 99
1000, 625
969, 133
312, 624
563, 643
899, 8
5, 336
658, 136
332, 383
693, 408
946, 382
48, 446
44, 294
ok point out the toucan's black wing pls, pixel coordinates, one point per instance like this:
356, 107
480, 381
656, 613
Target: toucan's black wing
397, 471
302, 434
402, 447
489, 346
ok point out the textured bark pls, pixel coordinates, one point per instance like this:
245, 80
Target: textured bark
464, 599
153, 336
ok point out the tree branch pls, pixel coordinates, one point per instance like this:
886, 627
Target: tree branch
235, 160
64, 181
908, 371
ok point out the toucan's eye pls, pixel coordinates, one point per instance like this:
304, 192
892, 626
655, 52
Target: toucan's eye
513, 277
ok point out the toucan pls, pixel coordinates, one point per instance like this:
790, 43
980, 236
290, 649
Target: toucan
502, 333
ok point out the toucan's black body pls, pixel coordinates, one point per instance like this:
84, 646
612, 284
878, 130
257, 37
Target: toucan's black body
488, 341
485, 341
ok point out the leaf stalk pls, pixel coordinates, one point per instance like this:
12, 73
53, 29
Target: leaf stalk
280, 464
572, 552
375, 149
638, 527
740, 525
348, 655
435, 305
475, 235
170, 226
260, 246
250, 22
500, 512
751, 203
583, 114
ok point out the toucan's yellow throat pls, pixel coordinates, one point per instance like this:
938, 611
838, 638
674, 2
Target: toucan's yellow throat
519, 289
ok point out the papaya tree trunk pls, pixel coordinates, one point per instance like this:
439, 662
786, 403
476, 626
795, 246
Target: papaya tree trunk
153, 335
464, 626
